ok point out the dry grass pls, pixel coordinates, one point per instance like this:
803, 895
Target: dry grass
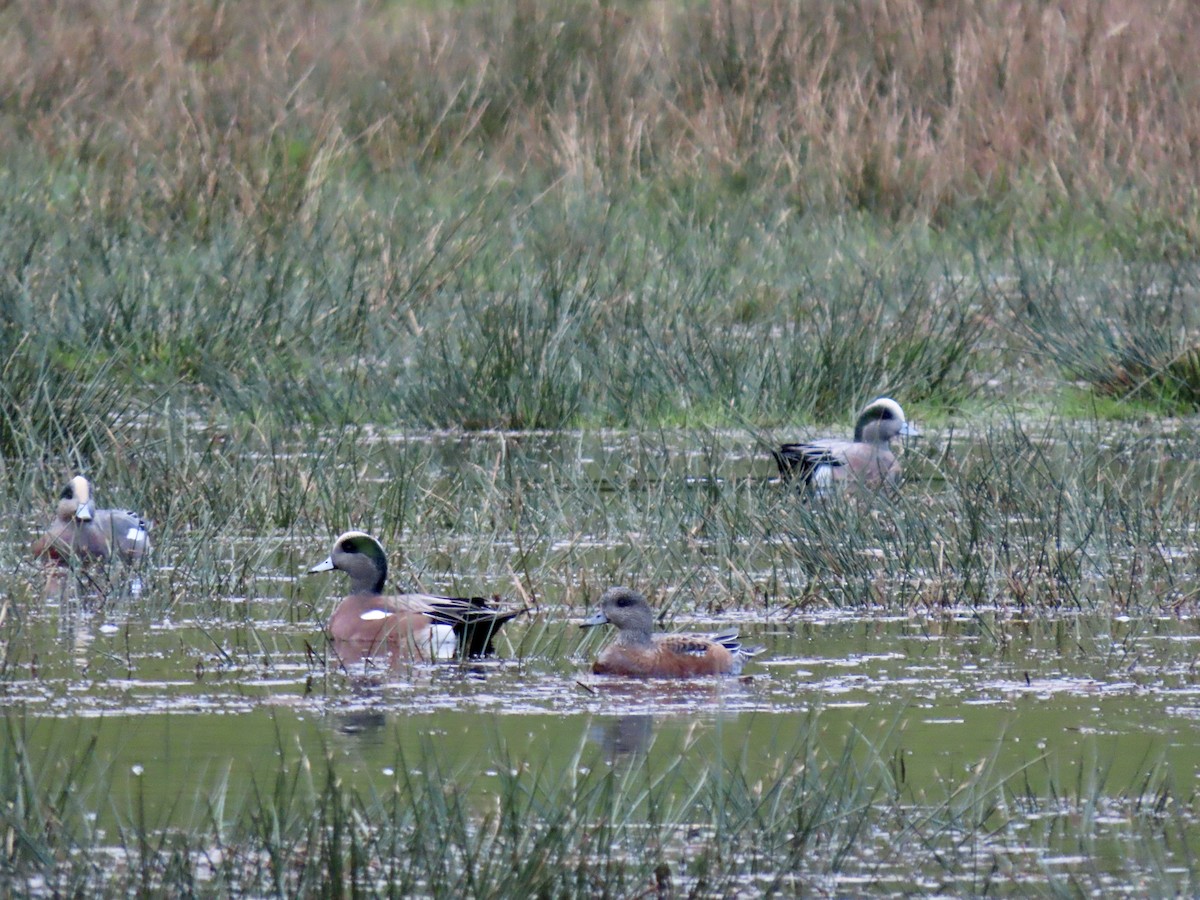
904, 108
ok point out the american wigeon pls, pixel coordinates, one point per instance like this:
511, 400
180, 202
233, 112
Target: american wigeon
81, 532
420, 626
866, 461
640, 653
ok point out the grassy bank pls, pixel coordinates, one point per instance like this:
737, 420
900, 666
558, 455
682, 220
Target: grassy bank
240, 244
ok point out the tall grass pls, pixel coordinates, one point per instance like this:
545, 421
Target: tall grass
1045, 514
448, 325
1132, 333
201, 112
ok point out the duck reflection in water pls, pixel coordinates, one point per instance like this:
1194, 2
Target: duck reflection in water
622, 736
361, 722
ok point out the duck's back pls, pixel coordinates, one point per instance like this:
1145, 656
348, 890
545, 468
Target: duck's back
667, 656
825, 462
120, 528
423, 625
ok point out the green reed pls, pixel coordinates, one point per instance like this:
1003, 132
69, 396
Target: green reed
1020, 514
1129, 332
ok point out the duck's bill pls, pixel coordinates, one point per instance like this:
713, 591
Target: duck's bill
594, 619
84, 513
325, 566
910, 430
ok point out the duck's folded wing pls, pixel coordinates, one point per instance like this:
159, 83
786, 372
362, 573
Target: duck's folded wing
475, 619
804, 460
729, 640
128, 531
688, 644
452, 610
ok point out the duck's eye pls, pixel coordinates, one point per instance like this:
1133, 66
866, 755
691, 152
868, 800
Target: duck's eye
625, 600
67, 494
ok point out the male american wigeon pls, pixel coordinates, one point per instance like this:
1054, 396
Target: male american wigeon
866, 461
640, 653
420, 626
81, 532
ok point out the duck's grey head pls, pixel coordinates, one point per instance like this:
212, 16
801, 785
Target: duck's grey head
880, 421
76, 500
362, 558
627, 610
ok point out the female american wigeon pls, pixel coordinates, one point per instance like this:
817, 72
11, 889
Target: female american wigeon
418, 626
640, 653
81, 532
866, 461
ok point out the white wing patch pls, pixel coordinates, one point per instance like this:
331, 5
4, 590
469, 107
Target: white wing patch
375, 615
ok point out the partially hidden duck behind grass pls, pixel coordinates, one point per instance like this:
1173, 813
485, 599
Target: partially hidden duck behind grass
866, 462
407, 626
640, 653
82, 533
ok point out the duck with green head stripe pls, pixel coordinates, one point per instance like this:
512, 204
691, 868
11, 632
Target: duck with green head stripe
411, 626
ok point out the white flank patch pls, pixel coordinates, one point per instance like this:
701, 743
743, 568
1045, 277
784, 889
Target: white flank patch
135, 535
374, 615
442, 643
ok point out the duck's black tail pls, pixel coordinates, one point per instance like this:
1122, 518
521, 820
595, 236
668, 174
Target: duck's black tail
476, 621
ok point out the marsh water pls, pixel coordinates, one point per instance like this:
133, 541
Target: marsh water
1054, 695
211, 696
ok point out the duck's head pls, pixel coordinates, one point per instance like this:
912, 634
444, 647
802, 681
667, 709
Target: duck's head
75, 501
627, 610
361, 557
881, 420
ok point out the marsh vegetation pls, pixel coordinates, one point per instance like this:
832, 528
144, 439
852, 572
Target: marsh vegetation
528, 291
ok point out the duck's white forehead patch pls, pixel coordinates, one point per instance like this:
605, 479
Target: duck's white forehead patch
889, 404
374, 615
358, 542
81, 489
